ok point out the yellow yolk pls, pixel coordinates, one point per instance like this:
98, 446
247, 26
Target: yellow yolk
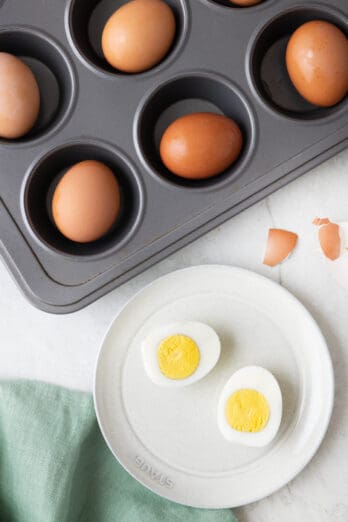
178, 356
247, 411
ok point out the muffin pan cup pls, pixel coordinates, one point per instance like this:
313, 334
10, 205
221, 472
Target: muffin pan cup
221, 60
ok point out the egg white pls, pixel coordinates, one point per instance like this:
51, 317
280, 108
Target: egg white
261, 380
203, 335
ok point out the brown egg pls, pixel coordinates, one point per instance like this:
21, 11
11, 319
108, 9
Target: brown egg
317, 62
138, 35
86, 201
19, 97
280, 244
245, 3
200, 145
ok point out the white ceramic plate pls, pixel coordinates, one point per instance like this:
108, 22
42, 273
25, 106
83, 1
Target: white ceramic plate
167, 438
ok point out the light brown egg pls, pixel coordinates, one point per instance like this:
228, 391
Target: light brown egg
138, 35
246, 3
86, 201
200, 145
19, 97
280, 244
317, 62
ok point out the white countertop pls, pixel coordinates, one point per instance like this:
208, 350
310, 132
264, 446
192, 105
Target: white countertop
63, 349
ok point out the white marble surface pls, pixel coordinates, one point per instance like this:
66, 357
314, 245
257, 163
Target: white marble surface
63, 349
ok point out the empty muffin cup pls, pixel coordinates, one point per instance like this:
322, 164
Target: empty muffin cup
86, 20
187, 94
53, 73
267, 66
43, 179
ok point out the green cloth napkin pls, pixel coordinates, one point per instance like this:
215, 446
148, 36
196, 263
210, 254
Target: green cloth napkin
56, 467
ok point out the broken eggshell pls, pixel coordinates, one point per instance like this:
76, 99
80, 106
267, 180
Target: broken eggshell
329, 238
320, 221
339, 267
280, 244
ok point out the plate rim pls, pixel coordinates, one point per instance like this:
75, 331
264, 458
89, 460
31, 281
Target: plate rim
326, 353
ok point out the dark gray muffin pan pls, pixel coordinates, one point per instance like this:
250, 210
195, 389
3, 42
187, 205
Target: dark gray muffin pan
224, 58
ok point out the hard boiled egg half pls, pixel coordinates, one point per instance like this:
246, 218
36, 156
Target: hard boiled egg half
181, 353
250, 407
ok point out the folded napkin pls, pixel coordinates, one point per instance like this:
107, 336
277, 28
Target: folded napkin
56, 467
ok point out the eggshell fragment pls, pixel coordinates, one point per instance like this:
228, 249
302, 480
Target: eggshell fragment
280, 244
138, 35
338, 268
330, 241
320, 221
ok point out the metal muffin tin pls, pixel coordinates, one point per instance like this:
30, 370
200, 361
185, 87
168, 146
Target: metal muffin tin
224, 58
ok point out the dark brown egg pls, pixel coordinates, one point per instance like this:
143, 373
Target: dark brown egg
200, 145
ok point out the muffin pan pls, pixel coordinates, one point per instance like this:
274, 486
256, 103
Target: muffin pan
224, 59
